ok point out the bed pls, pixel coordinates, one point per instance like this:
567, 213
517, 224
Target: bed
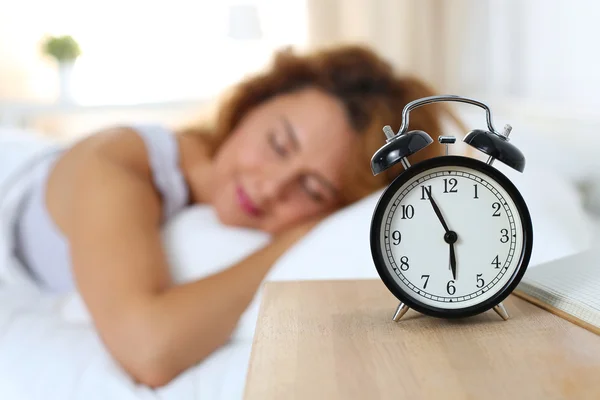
50, 350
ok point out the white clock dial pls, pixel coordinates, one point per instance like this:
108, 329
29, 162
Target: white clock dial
489, 240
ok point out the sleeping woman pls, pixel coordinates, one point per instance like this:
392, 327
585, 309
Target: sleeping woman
288, 147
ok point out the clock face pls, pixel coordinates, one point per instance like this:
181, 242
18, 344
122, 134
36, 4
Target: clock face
451, 235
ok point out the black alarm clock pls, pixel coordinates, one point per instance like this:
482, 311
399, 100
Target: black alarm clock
451, 236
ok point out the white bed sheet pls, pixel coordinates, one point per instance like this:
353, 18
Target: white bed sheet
43, 356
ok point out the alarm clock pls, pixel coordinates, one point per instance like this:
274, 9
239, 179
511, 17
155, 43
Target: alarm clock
451, 236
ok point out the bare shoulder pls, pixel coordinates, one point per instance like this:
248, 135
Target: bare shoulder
106, 161
122, 145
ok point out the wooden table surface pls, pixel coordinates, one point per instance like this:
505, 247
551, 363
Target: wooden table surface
336, 340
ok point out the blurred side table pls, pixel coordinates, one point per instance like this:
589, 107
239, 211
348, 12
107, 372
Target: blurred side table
336, 340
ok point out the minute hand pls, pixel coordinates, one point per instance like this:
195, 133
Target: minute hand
437, 211
450, 236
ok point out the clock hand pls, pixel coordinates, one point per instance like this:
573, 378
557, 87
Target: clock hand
453, 260
450, 237
437, 211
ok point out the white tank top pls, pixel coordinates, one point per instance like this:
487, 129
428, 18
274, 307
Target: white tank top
41, 246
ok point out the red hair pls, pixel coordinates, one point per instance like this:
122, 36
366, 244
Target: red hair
371, 93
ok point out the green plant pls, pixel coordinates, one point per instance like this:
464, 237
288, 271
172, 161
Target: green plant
62, 48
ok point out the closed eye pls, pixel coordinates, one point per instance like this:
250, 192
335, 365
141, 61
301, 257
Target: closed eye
315, 196
279, 149
311, 191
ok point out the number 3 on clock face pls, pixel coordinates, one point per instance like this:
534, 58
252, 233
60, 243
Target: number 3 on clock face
451, 237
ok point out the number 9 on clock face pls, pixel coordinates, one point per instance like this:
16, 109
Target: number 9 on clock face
451, 237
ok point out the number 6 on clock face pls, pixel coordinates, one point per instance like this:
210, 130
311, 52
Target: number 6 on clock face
451, 237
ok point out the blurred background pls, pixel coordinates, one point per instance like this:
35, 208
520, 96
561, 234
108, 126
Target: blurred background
534, 62
537, 58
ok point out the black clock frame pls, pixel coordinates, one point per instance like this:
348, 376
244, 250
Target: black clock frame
388, 195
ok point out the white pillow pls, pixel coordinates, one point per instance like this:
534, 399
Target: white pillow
338, 248
197, 244
560, 224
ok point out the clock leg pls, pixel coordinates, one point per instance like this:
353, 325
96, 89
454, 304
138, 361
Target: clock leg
501, 311
400, 311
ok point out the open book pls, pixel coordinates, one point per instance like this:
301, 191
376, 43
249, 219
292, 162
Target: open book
569, 287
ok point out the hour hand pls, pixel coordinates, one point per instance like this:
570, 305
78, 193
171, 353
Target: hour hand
453, 261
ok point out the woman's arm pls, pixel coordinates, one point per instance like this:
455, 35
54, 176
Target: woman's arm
153, 329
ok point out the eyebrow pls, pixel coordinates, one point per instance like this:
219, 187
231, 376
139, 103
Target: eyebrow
296, 145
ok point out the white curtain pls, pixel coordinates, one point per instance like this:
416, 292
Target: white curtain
537, 54
403, 31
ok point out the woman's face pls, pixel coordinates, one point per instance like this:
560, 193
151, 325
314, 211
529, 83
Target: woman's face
284, 162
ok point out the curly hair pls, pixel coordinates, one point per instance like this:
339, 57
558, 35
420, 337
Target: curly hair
371, 93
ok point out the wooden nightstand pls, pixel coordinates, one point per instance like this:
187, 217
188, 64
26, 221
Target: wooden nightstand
336, 340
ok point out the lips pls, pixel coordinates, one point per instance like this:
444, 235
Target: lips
246, 203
